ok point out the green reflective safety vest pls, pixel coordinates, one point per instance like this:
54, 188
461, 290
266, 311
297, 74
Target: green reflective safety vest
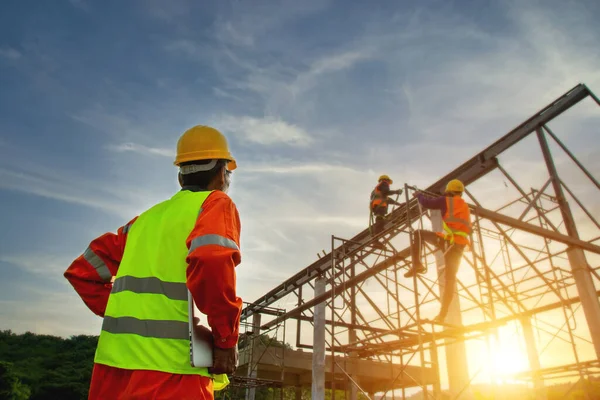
146, 325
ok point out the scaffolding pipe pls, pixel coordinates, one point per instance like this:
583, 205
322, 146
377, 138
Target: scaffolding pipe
318, 356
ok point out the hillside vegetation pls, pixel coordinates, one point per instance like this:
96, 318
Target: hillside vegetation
43, 367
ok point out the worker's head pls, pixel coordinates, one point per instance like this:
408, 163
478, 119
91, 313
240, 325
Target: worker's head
385, 178
204, 159
455, 188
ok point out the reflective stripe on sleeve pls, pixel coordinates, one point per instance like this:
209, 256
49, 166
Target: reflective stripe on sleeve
218, 240
98, 264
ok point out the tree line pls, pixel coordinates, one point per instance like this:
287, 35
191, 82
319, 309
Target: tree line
44, 367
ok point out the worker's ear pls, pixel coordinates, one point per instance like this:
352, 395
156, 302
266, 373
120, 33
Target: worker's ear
218, 181
180, 179
223, 181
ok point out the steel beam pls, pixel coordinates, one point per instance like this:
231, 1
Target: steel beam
468, 172
534, 229
579, 264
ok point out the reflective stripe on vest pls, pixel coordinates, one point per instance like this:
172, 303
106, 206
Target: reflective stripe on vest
147, 327
172, 290
453, 225
453, 219
146, 320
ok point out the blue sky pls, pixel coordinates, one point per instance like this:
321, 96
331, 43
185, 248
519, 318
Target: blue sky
318, 98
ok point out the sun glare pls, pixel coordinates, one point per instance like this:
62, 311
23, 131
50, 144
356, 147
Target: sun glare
507, 354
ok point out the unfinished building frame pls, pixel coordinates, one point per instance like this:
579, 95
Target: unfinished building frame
528, 268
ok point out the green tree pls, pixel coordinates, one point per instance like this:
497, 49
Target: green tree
11, 387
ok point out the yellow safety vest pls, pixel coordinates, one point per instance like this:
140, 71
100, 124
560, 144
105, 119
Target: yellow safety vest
146, 320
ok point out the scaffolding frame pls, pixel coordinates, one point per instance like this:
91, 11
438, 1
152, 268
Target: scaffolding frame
527, 260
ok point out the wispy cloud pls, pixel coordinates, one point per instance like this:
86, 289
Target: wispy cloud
46, 184
188, 47
222, 93
141, 149
265, 131
47, 266
10, 53
297, 169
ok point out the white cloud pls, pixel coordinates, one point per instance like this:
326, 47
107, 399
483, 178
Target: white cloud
227, 33
47, 266
292, 169
141, 149
265, 131
225, 94
10, 53
46, 183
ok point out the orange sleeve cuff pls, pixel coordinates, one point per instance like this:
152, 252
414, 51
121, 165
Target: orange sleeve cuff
91, 273
214, 254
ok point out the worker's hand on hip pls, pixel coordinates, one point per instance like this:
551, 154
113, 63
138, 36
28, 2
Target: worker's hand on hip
224, 361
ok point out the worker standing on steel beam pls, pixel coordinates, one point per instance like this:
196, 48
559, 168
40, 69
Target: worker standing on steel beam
452, 241
187, 243
380, 202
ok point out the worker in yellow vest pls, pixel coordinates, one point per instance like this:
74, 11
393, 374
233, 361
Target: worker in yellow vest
138, 280
452, 241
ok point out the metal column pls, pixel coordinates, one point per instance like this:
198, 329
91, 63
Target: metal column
253, 368
456, 353
534, 361
318, 357
352, 337
579, 265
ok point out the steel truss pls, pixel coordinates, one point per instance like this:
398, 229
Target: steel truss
527, 269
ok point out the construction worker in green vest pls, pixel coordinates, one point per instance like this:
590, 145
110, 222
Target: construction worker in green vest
140, 281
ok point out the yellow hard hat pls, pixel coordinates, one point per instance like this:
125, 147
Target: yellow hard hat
385, 178
455, 186
203, 143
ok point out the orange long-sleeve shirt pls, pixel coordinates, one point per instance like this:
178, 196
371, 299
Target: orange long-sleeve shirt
211, 274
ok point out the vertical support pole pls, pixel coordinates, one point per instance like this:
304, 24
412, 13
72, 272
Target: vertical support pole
253, 368
352, 337
534, 361
577, 259
333, 294
299, 322
435, 365
422, 383
318, 360
456, 353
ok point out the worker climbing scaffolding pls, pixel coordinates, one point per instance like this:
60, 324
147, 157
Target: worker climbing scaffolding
379, 205
452, 241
